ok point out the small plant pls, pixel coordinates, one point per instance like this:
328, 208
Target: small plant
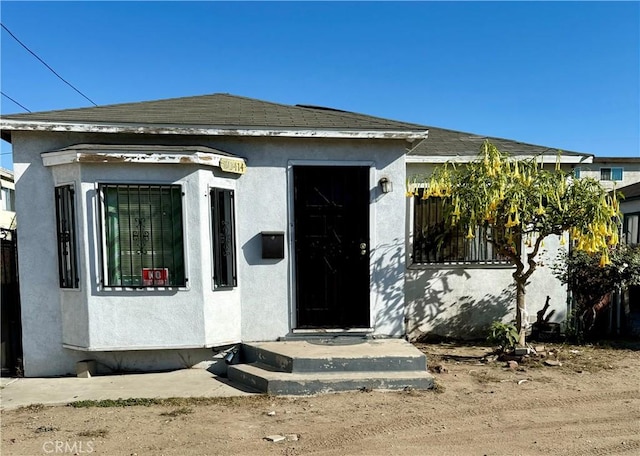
503, 334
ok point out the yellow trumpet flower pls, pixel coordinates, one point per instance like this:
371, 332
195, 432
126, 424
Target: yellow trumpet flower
470, 234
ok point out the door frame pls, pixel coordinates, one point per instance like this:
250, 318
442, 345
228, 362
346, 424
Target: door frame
292, 235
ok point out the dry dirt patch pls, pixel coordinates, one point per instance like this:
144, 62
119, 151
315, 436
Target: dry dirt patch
588, 405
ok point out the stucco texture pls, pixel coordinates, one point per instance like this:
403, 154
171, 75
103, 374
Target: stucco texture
156, 329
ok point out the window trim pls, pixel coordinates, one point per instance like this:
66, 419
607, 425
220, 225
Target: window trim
625, 226
216, 261
103, 260
71, 208
611, 170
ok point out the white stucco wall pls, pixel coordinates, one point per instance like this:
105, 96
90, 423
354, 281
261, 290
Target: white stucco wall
264, 205
153, 329
61, 326
462, 301
39, 289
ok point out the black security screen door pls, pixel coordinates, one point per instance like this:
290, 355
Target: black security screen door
331, 207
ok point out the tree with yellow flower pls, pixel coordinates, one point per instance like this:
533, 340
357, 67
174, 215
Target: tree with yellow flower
519, 203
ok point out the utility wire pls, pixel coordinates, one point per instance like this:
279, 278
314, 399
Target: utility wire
5, 95
45, 64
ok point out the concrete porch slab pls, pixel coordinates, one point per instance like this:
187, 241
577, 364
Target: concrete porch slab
324, 347
303, 367
323, 355
267, 381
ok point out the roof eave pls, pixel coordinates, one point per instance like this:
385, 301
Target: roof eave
8, 125
547, 158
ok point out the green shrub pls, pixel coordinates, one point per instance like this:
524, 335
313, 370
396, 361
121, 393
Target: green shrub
503, 334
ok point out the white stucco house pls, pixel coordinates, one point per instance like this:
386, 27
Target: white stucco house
152, 232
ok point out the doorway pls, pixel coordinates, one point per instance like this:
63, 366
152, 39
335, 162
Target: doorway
331, 241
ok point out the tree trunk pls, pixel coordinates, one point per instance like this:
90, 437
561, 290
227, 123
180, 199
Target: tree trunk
521, 322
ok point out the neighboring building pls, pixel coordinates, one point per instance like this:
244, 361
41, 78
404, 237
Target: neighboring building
10, 352
612, 172
630, 208
151, 232
7, 200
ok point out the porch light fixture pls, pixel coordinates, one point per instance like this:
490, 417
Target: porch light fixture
386, 185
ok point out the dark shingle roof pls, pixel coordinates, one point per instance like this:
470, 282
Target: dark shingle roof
219, 110
447, 143
631, 191
227, 111
443, 142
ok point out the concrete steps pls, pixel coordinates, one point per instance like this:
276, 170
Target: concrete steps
311, 367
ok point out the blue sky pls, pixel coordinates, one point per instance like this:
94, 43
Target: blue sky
558, 74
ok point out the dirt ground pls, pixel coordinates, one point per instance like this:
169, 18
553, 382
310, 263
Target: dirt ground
586, 403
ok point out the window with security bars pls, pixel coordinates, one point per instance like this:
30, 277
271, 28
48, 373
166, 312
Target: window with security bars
66, 236
435, 241
142, 234
224, 245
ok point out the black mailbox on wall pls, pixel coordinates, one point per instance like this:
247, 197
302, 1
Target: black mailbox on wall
273, 244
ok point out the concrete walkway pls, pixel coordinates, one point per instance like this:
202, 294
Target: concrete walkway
18, 392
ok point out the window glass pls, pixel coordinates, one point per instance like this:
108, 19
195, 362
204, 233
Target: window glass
611, 174
223, 227
631, 228
616, 174
66, 236
143, 236
7, 199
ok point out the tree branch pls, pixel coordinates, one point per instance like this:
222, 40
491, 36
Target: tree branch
532, 256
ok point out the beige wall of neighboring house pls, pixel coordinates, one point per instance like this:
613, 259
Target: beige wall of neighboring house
7, 199
612, 172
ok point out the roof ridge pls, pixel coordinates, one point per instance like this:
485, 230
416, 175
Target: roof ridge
325, 110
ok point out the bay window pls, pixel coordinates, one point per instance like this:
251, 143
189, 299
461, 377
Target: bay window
142, 235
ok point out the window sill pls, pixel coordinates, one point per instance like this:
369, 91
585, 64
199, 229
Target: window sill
143, 289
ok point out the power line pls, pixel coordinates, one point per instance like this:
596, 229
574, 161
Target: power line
45, 64
5, 95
